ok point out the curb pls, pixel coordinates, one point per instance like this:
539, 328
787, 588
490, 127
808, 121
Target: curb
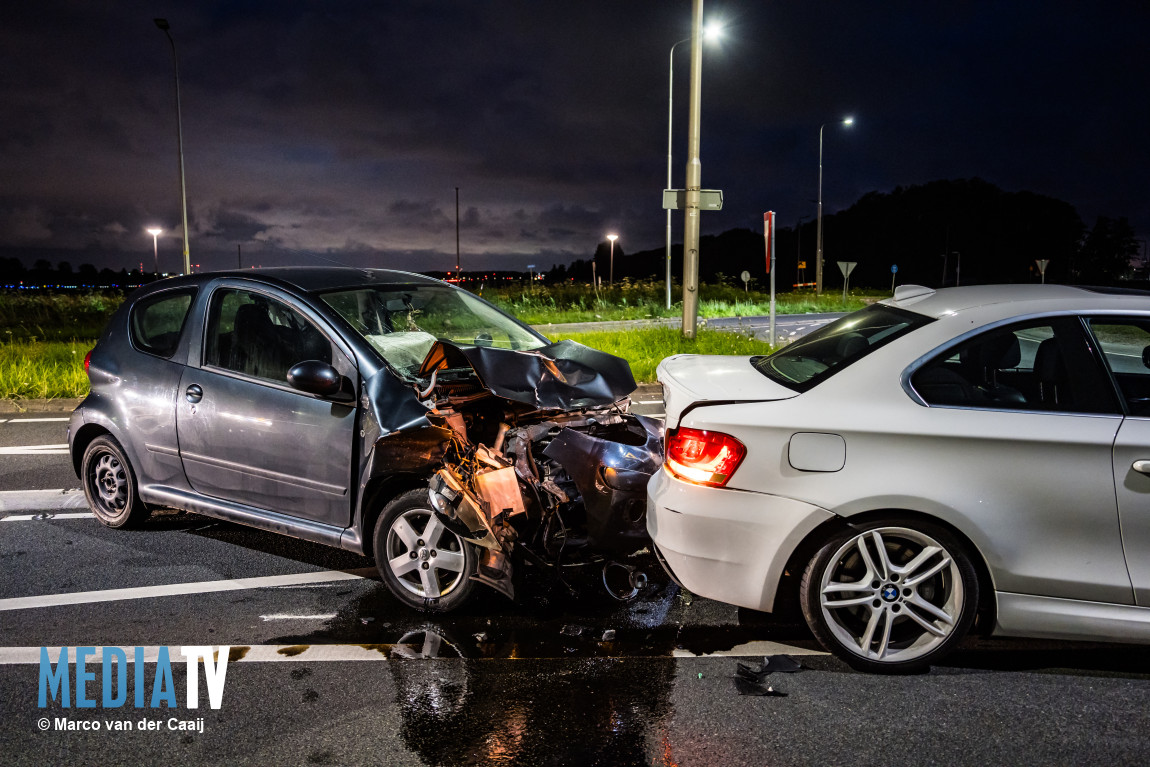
64, 404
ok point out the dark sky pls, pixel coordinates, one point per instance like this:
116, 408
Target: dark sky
343, 128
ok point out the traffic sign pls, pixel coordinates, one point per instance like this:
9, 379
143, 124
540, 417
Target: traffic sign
709, 199
894, 268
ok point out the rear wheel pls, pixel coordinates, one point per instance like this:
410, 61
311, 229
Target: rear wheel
425, 565
890, 596
110, 484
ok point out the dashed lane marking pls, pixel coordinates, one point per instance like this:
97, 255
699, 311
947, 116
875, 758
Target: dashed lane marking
41, 500
44, 516
35, 450
34, 420
183, 589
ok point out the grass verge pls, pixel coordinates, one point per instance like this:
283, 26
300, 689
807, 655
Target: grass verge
43, 369
646, 348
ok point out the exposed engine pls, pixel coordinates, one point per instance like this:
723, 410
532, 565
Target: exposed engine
552, 485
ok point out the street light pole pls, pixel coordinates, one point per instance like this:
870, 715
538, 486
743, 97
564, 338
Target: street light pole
712, 31
819, 228
163, 25
670, 117
611, 276
155, 232
694, 179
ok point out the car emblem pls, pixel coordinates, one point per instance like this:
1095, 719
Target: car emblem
890, 593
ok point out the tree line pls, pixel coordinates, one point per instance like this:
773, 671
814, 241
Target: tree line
936, 234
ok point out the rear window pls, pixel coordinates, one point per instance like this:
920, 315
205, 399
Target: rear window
818, 356
157, 321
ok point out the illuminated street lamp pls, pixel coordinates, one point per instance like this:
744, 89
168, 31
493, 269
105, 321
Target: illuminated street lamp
819, 236
611, 275
163, 25
710, 32
156, 231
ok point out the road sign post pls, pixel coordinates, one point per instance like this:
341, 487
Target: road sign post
846, 267
1042, 262
769, 239
893, 272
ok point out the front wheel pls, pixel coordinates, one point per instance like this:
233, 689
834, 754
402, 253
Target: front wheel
110, 484
890, 597
423, 564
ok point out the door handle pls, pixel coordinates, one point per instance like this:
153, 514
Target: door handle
1142, 467
194, 394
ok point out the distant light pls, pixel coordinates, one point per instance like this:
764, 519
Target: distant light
155, 231
848, 121
713, 31
612, 237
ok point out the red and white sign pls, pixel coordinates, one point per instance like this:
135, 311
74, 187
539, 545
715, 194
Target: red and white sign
768, 226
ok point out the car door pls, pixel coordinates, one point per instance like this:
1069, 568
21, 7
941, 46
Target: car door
1125, 343
1032, 447
245, 435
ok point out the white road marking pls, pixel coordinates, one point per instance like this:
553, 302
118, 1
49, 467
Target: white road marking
11, 656
327, 617
40, 500
35, 450
181, 589
648, 402
35, 420
48, 515
751, 649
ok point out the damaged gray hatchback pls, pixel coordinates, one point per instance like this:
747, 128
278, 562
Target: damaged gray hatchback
381, 412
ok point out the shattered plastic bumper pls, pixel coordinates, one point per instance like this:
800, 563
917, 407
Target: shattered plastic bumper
728, 545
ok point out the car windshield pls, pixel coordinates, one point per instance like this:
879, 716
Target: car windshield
403, 322
818, 356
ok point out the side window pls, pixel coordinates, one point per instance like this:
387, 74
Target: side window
156, 322
1125, 344
256, 335
1044, 365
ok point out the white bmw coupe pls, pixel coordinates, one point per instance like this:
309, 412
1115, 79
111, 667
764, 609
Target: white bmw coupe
936, 458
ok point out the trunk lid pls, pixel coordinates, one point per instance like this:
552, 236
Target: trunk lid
688, 379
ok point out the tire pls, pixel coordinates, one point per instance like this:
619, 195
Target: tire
110, 484
889, 596
423, 564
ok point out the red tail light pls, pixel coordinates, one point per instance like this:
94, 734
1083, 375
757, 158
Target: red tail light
88, 359
703, 457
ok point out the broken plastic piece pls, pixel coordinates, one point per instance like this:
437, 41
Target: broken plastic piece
572, 630
481, 637
608, 635
754, 689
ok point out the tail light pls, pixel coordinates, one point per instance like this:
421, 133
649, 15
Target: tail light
88, 360
703, 457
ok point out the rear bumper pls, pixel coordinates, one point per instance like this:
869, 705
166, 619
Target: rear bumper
728, 545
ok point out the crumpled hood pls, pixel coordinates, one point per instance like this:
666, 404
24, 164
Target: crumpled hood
691, 378
561, 376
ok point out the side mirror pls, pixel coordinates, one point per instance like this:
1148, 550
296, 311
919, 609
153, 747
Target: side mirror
315, 377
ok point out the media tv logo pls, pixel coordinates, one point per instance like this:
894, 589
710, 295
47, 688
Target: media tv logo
57, 685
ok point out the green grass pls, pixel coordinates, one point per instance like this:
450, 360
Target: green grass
26, 316
43, 369
538, 304
646, 348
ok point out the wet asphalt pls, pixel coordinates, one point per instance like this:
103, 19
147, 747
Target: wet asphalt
564, 675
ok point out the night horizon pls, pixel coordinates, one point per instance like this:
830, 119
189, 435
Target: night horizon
345, 133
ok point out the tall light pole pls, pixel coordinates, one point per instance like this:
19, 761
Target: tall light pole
819, 228
156, 232
694, 178
711, 32
611, 276
163, 25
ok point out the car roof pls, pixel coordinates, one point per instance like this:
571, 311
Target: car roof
305, 279
1037, 298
